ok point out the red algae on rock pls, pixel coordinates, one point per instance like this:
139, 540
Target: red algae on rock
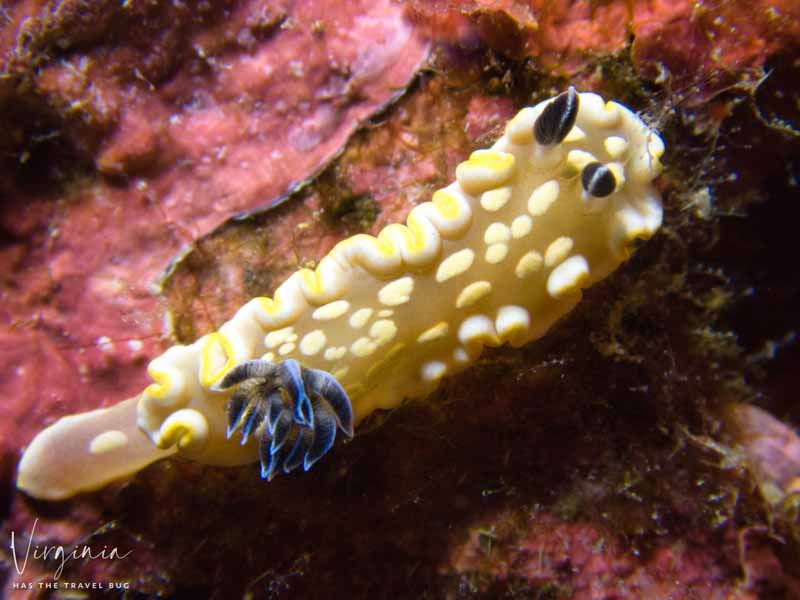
561, 37
771, 453
579, 560
697, 50
703, 48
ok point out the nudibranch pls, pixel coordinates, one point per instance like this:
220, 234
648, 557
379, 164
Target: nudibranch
495, 257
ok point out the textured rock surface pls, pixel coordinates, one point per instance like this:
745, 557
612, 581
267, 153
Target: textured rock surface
704, 54
577, 560
619, 456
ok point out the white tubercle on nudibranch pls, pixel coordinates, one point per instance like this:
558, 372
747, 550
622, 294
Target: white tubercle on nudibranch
496, 257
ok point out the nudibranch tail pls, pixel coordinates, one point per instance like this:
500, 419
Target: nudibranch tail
84, 452
271, 398
497, 256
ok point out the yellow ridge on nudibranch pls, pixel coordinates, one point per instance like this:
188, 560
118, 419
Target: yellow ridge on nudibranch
216, 344
496, 257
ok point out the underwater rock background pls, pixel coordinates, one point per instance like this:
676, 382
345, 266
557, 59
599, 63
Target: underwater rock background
646, 447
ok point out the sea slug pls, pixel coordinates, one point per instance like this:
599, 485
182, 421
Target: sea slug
497, 256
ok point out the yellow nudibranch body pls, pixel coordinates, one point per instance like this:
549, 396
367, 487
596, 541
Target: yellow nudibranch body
496, 257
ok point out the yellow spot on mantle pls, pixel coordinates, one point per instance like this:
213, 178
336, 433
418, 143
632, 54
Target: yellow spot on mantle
494, 200
434, 333
455, 264
472, 293
313, 342
363, 346
542, 198
567, 277
557, 251
397, 292
433, 370
383, 331
496, 233
496, 253
332, 310
529, 264
286, 348
108, 441
359, 318
275, 338
521, 226
335, 353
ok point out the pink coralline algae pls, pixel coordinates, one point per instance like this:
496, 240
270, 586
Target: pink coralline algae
700, 49
771, 453
697, 50
581, 561
561, 36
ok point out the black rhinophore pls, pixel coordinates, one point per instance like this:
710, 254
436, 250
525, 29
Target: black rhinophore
598, 180
557, 118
